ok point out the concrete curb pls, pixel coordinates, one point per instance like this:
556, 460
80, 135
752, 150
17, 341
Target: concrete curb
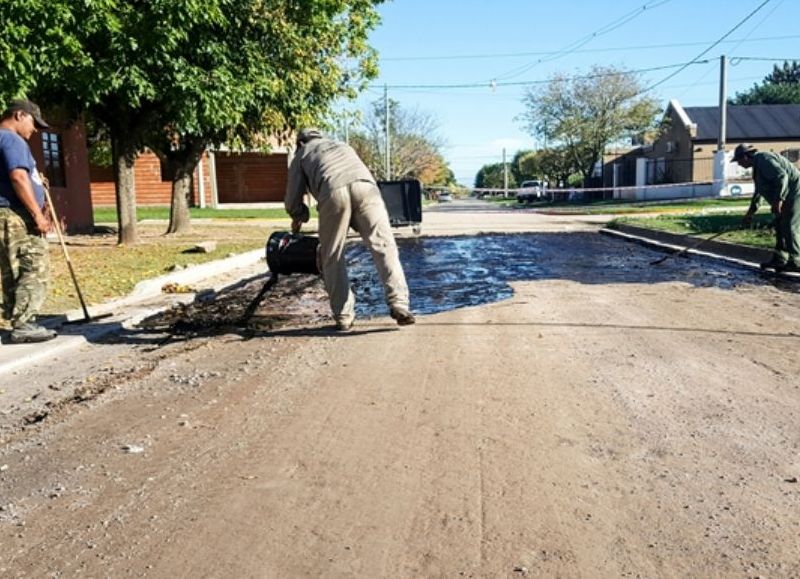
151, 287
142, 302
741, 254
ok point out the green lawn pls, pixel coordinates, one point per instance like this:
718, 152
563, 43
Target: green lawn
109, 214
759, 235
106, 270
631, 207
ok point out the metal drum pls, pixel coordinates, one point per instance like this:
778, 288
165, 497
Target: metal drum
289, 253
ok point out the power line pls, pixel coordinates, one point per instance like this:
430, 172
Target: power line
570, 48
761, 58
743, 40
707, 50
586, 51
683, 65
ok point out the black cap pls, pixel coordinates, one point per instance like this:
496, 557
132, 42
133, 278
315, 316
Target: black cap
27, 106
306, 135
741, 151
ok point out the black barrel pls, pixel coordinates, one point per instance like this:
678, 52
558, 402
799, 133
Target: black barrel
292, 253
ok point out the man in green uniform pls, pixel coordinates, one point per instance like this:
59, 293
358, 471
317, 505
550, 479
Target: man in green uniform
778, 182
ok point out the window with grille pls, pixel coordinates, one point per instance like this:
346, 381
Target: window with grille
53, 151
792, 154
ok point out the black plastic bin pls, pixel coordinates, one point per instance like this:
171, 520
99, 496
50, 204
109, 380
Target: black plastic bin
403, 201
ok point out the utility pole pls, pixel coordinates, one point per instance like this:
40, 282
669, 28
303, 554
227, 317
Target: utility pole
723, 102
719, 186
505, 174
388, 161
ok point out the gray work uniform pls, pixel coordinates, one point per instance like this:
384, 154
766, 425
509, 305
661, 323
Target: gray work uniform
777, 179
347, 196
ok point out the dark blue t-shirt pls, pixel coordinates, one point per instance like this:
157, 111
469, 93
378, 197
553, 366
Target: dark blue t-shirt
16, 154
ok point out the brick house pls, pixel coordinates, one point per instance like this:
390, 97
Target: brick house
221, 179
62, 157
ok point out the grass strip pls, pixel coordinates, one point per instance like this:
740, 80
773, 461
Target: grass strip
759, 235
106, 270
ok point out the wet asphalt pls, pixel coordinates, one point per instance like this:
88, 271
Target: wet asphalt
446, 273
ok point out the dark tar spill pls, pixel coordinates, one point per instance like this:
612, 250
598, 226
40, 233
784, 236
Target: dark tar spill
445, 273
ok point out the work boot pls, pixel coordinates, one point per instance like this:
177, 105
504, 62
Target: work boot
29, 332
790, 267
344, 325
774, 264
402, 316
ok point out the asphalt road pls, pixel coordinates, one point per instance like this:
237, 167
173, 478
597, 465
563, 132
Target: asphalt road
598, 421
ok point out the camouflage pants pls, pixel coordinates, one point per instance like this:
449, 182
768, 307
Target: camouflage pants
24, 267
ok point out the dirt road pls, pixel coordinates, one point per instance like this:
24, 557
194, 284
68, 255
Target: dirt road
576, 429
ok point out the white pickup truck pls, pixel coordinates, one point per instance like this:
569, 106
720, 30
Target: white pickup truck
530, 191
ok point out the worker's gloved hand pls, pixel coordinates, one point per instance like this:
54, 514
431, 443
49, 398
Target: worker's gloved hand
298, 220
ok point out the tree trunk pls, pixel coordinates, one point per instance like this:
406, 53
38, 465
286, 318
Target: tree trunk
185, 162
125, 191
179, 218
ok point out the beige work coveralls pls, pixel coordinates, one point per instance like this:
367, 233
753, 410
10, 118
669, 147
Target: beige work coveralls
347, 196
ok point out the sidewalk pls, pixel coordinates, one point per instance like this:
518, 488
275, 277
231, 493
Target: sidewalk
145, 300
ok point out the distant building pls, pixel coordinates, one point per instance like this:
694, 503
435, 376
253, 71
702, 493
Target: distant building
61, 156
684, 150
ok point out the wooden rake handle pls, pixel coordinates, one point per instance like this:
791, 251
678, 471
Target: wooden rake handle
57, 226
689, 248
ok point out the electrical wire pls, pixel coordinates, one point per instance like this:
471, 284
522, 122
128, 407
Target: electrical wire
707, 50
571, 48
762, 59
587, 51
740, 42
682, 65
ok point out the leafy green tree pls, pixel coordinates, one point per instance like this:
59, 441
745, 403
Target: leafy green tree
558, 165
77, 54
268, 79
788, 73
178, 76
780, 87
528, 165
491, 176
584, 114
518, 169
553, 165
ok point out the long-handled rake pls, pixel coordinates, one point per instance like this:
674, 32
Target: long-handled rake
771, 224
57, 226
687, 249
256, 301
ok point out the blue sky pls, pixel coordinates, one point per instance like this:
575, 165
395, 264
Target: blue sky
445, 42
